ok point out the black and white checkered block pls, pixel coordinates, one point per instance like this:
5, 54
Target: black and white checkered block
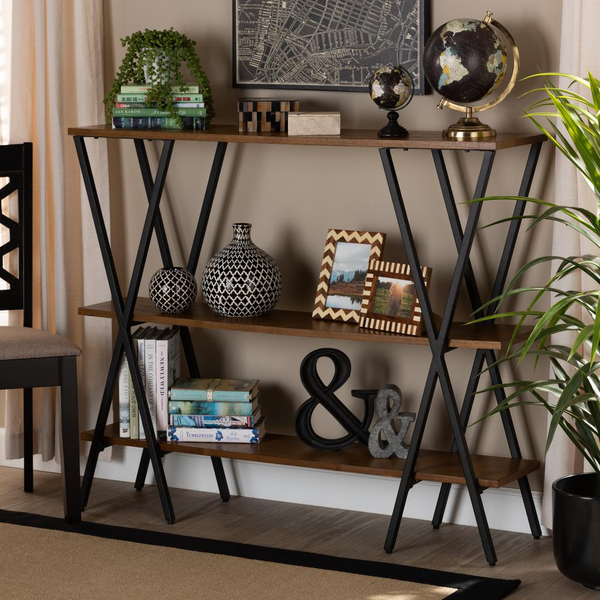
241, 280
173, 290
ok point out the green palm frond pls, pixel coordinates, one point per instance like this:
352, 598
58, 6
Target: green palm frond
572, 394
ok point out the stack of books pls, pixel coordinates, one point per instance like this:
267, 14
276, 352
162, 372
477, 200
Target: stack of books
215, 410
131, 110
158, 359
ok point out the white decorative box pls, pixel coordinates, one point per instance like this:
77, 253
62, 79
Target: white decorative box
314, 123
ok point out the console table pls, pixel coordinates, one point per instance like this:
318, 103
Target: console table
458, 465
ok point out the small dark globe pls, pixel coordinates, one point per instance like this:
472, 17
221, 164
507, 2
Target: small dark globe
391, 88
173, 290
465, 60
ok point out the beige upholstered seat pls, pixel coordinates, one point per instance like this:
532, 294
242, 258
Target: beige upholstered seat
24, 342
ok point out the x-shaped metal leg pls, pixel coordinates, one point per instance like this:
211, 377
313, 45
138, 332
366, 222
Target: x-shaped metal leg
438, 341
489, 356
124, 316
192, 265
124, 310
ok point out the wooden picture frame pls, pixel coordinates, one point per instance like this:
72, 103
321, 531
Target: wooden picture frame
347, 256
384, 299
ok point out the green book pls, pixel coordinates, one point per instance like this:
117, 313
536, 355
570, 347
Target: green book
179, 97
154, 112
215, 409
176, 89
223, 390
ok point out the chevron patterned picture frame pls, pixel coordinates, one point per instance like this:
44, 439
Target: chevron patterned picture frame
390, 300
343, 273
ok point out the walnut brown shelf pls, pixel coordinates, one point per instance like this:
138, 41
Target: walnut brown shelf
301, 324
357, 138
443, 467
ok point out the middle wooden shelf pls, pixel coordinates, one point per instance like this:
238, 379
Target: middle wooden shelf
301, 324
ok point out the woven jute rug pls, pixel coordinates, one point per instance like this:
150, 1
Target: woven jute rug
44, 558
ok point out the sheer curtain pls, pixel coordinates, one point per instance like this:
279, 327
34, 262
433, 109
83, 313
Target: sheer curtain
56, 81
578, 54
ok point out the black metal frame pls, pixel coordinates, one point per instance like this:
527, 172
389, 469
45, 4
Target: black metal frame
422, 90
124, 310
438, 341
438, 338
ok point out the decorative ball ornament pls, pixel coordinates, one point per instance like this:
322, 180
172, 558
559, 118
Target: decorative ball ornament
241, 280
173, 290
392, 89
465, 60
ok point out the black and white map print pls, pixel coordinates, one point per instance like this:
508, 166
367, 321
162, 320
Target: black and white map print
326, 44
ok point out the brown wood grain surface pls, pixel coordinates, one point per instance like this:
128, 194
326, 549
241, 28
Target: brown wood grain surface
301, 324
491, 471
359, 138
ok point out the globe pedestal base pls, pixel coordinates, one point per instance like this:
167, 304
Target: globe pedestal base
469, 128
393, 129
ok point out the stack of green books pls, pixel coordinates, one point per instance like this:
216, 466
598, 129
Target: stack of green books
131, 110
215, 410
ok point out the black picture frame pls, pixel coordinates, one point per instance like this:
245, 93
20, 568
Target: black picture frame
421, 87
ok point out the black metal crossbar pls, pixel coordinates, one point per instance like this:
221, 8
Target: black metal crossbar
124, 310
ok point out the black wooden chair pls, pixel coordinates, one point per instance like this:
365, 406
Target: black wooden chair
30, 358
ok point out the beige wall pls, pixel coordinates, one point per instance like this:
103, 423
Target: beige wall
293, 195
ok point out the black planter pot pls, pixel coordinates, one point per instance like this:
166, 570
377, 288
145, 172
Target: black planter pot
576, 528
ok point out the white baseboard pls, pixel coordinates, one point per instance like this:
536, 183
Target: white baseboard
349, 491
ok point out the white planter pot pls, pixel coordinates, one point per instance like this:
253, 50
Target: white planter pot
156, 58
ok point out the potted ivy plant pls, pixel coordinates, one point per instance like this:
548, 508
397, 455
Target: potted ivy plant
155, 58
571, 394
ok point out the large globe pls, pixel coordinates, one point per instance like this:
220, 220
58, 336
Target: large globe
465, 60
391, 88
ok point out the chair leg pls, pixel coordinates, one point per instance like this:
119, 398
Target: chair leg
28, 439
69, 414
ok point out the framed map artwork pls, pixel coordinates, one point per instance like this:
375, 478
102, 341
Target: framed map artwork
326, 44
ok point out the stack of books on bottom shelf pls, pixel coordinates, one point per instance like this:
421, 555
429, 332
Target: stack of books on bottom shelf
159, 361
215, 410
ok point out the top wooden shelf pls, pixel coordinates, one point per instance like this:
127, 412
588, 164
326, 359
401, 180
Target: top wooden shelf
356, 138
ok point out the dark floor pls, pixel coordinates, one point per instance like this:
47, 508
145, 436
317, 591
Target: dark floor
293, 526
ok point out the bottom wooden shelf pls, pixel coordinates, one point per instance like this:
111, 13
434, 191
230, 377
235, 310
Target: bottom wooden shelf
444, 467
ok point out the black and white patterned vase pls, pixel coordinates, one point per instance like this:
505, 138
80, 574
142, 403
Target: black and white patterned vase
173, 290
241, 280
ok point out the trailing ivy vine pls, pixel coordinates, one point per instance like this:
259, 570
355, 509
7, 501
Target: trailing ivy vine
162, 53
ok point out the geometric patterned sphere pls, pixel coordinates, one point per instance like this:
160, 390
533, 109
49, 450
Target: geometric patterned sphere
173, 290
241, 280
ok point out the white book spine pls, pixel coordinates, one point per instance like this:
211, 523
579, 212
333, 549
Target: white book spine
162, 384
142, 368
228, 436
150, 366
124, 418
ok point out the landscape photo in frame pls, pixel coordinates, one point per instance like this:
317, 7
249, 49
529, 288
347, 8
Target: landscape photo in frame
343, 273
333, 45
390, 301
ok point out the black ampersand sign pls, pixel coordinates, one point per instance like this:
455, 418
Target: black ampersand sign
358, 430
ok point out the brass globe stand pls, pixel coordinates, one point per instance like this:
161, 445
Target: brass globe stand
470, 127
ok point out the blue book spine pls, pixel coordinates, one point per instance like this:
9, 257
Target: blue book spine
217, 409
200, 395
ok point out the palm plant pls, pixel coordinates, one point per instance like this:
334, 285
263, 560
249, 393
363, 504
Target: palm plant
570, 120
